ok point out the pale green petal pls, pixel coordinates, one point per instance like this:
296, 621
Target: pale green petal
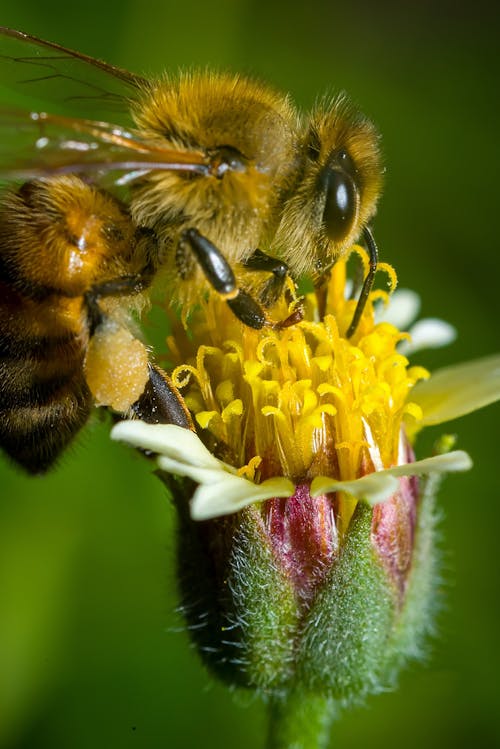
232, 493
220, 491
374, 487
380, 485
454, 391
457, 460
197, 473
174, 442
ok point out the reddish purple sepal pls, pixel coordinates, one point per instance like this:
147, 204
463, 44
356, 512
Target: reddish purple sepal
393, 527
303, 536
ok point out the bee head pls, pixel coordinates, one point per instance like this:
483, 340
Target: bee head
337, 193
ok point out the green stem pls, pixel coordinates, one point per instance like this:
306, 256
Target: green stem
300, 720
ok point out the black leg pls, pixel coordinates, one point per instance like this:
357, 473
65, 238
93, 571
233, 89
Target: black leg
122, 286
117, 287
161, 402
220, 275
367, 286
248, 310
321, 291
273, 288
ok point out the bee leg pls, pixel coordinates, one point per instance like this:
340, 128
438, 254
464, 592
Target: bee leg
367, 286
220, 275
321, 292
273, 288
293, 318
161, 402
122, 286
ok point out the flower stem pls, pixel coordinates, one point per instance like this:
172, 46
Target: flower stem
300, 720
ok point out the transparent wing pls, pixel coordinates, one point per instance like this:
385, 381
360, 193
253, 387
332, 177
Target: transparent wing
37, 144
31, 67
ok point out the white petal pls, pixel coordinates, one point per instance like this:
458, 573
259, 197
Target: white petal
457, 460
198, 473
380, 485
232, 493
403, 308
454, 391
181, 452
170, 440
428, 333
348, 288
374, 487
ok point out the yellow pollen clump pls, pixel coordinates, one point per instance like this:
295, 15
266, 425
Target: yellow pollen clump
116, 367
300, 401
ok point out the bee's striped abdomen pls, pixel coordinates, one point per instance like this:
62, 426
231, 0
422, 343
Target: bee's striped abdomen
44, 399
65, 246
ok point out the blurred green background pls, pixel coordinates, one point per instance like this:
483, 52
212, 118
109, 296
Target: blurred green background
92, 653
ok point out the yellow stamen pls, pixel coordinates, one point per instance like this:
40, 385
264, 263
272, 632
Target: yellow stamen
301, 401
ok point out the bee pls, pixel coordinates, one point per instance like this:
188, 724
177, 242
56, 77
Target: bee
210, 181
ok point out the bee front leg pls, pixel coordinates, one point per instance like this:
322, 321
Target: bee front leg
273, 288
368, 283
220, 275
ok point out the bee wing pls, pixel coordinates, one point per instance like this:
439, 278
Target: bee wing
52, 74
37, 144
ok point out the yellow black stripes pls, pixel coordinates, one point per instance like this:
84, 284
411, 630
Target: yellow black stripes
44, 399
35, 435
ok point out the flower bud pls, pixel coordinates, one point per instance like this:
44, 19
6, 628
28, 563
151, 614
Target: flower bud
274, 596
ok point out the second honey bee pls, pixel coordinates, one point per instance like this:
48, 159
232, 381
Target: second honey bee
226, 190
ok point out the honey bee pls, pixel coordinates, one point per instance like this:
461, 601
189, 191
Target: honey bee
210, 181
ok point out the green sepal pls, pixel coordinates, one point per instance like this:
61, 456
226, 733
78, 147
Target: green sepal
346, 630
414, 620
239, 606
265, 606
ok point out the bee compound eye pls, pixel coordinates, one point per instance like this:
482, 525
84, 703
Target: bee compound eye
341, 202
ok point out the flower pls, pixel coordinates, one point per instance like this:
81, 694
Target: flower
303, 402
315, 563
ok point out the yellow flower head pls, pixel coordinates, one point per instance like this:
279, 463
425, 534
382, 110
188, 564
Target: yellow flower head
304, 405
298, 401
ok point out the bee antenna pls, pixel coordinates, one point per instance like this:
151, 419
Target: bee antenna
368, 282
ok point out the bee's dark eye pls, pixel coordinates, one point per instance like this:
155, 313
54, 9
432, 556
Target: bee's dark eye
340, 204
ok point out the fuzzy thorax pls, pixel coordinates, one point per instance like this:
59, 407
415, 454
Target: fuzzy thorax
208, 113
